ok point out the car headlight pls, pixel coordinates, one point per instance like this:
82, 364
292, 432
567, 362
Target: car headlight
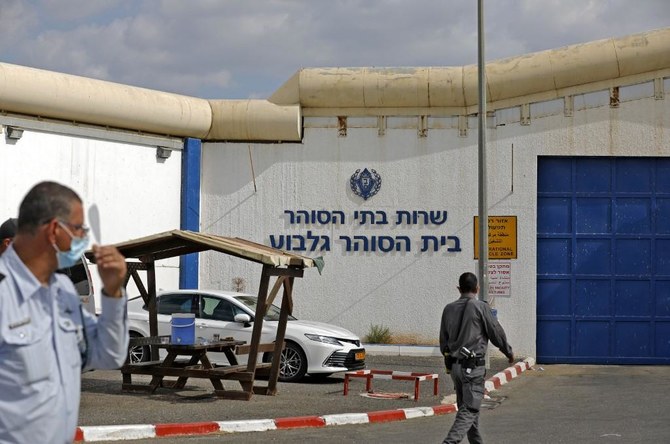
325, 339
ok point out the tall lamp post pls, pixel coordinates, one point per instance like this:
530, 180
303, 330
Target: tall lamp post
483, 202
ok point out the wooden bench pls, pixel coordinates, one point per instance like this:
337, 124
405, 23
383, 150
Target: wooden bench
142, 364
199, 366
238, 368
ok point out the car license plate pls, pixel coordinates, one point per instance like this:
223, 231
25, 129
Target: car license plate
360, 356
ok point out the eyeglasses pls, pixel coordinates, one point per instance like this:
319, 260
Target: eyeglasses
81, 228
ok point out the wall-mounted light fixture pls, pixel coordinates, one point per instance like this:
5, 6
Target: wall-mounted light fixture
13, 132
163, 152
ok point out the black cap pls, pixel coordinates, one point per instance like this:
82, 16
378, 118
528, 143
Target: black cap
8, 228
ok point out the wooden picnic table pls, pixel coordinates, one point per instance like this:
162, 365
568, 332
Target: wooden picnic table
197, 365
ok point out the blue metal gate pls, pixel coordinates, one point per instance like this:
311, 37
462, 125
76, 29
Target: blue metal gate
603, 260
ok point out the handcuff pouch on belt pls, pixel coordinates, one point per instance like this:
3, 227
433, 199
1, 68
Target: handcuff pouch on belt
449, 361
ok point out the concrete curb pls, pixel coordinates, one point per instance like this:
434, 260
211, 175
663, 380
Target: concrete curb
143, 431
401, 350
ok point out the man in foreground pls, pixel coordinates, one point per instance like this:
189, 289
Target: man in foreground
467, 326
46, 338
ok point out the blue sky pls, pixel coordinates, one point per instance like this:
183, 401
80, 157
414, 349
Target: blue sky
231, 49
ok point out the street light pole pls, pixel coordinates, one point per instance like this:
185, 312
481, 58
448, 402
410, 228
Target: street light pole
483, 202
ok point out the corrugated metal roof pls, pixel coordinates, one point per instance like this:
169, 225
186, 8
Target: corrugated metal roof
177, 242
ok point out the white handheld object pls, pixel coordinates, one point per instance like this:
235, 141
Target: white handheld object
94, 223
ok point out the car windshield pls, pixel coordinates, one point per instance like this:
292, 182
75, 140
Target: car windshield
273, 311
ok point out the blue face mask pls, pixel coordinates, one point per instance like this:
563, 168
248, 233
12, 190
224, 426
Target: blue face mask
68, 258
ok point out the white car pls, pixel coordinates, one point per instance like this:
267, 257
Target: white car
313, 348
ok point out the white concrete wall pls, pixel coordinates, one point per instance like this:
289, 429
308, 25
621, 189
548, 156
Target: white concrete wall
406, 291
136, 194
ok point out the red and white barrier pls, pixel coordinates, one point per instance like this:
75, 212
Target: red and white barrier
508, 374
369, 375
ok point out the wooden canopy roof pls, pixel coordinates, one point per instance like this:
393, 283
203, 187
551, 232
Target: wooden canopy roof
178, 242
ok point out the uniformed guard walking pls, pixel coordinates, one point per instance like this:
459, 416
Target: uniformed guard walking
46, 338
467, 326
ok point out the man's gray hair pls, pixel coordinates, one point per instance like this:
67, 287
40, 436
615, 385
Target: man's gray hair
44, 202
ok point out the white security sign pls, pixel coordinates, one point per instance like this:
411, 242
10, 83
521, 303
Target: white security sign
500, 279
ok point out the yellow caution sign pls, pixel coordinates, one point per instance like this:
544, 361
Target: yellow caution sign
502, 237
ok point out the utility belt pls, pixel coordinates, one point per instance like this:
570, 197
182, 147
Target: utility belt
467, 363
471, 362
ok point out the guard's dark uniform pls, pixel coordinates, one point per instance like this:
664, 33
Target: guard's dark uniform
477, 327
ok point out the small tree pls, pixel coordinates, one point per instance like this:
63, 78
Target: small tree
378, 334
239, 284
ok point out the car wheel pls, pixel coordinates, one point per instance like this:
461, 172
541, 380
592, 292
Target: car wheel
293, 364
139, 353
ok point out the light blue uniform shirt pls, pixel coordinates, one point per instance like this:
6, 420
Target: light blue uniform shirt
41, 343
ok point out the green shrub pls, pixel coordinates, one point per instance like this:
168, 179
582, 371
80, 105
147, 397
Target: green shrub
378, 334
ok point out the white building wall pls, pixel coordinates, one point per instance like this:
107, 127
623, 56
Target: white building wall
406, 291
135, 193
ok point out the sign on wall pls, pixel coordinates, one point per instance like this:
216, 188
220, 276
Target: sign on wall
500, 279
323, 224
502, 237
316, 240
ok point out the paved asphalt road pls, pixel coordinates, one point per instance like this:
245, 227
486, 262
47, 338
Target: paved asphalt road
551, 404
